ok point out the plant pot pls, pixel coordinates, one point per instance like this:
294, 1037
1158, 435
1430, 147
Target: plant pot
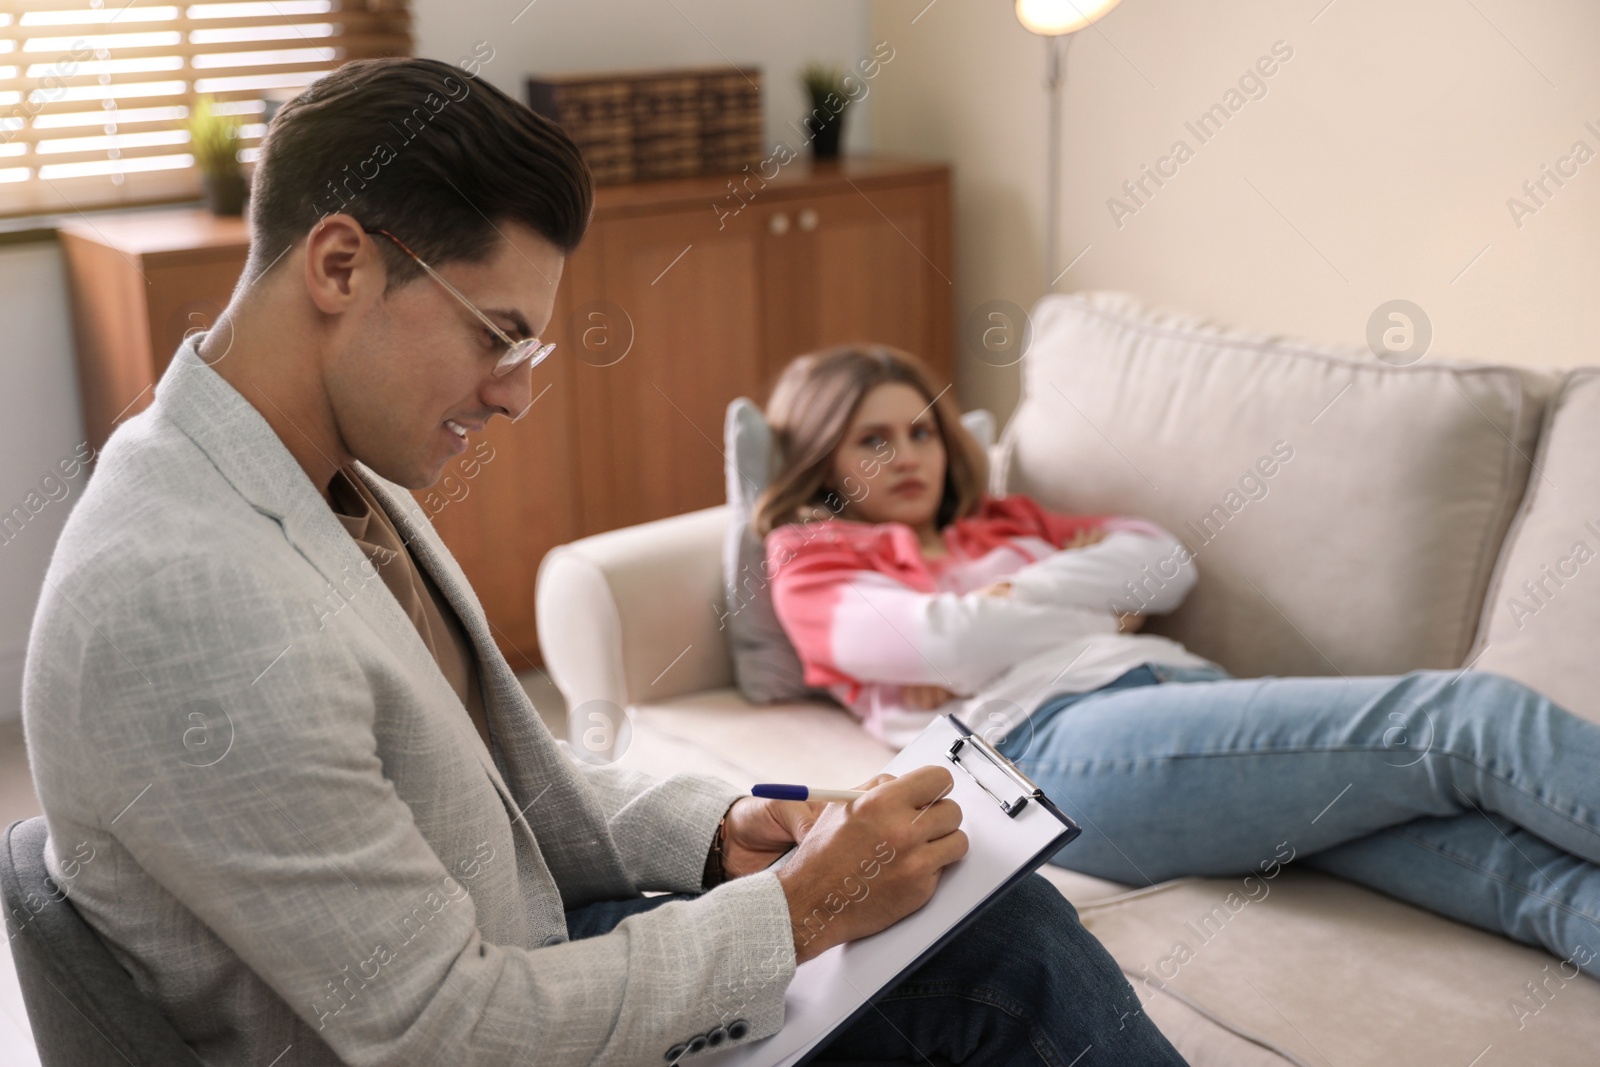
825, 132
225, 193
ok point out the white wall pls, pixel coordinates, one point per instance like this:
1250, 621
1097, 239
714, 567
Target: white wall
1377, 166
41, 427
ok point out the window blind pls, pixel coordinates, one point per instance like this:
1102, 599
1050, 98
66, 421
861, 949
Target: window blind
94, 93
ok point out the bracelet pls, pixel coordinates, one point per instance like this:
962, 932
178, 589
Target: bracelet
715, 874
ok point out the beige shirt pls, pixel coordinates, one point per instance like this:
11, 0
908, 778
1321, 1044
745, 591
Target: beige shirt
366, 521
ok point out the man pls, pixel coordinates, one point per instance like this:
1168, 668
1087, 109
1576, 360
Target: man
324, 823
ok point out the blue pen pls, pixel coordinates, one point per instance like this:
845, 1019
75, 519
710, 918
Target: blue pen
799, 792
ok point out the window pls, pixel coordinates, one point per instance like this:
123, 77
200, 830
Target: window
94, 93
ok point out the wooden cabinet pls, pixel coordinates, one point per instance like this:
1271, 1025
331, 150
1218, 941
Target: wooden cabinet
858, 265
689, 295
140, 281
684, 295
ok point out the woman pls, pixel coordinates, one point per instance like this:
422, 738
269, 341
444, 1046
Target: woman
908, 593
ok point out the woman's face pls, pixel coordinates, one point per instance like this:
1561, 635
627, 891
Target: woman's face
890, 464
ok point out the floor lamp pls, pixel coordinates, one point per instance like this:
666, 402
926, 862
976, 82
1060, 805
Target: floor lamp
1055, 20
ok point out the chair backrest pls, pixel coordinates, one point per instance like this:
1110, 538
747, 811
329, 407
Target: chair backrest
84, 1007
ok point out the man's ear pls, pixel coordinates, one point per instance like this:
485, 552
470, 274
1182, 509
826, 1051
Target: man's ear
341, 264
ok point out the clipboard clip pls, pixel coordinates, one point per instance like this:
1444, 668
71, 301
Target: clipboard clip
1005, 766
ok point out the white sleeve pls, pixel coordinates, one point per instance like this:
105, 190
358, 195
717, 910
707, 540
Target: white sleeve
1148, 572
884, 631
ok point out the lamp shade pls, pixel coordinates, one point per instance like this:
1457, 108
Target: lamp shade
1052, 18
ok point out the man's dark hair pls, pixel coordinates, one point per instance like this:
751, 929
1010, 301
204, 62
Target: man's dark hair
419, 148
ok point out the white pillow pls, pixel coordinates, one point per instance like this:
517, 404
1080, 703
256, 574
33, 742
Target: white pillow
765, 664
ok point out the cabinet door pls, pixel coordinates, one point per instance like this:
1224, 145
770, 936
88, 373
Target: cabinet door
863, 265
512, 496
676, 338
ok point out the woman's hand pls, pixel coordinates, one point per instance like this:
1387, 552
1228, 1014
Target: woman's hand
925, 697
758, 830
1001, 589
1129, 621
1085, 537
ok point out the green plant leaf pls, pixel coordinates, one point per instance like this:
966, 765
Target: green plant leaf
213, 138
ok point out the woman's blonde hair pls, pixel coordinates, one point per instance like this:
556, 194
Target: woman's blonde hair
811, 407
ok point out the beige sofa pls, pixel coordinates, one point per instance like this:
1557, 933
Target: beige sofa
1418, 501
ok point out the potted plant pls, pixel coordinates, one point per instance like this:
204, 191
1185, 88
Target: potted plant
829, 99
214, 141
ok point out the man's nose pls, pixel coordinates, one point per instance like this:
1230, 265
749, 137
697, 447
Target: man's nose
510, 394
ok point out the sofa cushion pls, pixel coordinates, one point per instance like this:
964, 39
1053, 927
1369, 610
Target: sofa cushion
1327, 972
1543, 609
810, 743
1345, 513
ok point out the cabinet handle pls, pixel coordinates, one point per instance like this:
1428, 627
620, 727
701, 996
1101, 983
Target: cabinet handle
779, 224
808, 219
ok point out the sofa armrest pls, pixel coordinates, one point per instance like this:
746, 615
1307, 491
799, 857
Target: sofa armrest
635, 615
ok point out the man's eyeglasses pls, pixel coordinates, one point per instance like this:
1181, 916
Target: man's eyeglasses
529, 350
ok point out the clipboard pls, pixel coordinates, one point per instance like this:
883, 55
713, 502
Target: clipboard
1012, 829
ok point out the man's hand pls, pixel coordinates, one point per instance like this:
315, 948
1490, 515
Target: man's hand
1129, 621
867, 864
758, 831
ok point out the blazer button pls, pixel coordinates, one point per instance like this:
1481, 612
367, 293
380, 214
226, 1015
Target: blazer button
697, 1043
717, 1036
555, 939
738, 1028
676, 1052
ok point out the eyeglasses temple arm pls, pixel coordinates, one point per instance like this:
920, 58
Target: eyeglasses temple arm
486, 320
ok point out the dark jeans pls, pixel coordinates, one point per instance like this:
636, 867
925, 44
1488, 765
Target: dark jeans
1025, 984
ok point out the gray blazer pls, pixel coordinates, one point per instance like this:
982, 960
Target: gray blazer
268, 800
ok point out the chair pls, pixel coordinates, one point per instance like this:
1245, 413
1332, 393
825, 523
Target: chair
83, 1006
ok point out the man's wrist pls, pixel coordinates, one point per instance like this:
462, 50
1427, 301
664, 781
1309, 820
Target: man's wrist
715, 872
809, 942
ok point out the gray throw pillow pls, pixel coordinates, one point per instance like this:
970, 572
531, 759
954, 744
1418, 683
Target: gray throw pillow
765, 664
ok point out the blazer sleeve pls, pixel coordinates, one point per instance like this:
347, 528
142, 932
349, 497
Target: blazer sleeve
296, 851
662, 827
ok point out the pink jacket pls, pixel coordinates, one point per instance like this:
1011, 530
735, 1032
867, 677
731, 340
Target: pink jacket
868, 614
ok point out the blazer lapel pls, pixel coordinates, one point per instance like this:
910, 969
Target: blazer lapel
558, 808
500, 684
535, 766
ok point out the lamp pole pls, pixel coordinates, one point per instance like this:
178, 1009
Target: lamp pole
1055, 65
1054, 20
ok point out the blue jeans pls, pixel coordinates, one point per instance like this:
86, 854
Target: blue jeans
1025, 985
1465, 793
